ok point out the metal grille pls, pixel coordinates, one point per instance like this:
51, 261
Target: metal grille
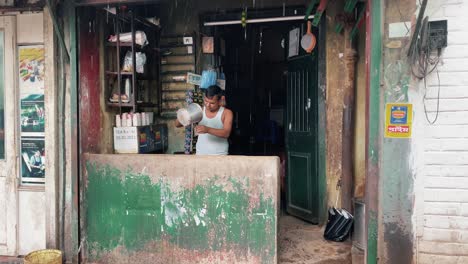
298, 101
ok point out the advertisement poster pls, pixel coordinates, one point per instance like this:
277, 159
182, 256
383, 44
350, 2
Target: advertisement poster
31, 69
32, 115
32, 158
398, 120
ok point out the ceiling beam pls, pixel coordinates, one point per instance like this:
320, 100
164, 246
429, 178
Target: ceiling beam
113, 2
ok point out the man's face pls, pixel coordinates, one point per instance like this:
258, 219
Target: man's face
212, 104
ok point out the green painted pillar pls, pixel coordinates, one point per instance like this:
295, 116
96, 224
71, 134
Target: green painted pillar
373, 122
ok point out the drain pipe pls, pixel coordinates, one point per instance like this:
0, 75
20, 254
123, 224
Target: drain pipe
350, 59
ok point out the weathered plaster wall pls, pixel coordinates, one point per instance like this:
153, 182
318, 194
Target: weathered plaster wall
441, 153
147, 210
335, 83
396, 195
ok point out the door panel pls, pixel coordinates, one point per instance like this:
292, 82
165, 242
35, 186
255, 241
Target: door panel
8, 163
301, 169
301, 138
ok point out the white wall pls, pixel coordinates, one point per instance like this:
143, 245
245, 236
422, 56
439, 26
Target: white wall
3, 207
31, 232
31, 200
441, 150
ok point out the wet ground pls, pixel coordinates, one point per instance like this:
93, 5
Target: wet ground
303, 243
299, 243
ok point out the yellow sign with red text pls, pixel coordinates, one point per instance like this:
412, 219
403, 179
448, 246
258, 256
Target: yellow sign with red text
398, 120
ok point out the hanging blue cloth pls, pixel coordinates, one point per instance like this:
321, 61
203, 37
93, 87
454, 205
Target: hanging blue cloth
208, 78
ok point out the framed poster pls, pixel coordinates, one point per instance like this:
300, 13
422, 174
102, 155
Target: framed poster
32, 160
31, 86
208, 45
32, 115
31, 69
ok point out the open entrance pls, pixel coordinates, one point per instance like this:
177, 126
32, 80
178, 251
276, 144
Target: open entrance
272, 89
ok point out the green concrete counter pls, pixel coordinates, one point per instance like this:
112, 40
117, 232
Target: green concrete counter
179, 209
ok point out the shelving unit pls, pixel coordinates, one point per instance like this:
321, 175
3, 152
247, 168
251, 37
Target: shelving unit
177, 59
140, 94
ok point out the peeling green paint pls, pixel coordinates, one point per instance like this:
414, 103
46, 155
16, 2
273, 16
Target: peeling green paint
127, 209
374, 125
372, 238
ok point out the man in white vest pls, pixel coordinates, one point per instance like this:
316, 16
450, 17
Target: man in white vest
215, 127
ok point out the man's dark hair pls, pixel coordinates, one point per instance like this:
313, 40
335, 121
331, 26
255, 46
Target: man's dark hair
214, 90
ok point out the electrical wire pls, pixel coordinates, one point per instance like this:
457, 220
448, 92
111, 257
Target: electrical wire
423, 63
438, 100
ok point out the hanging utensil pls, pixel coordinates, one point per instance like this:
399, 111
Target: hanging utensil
308, 41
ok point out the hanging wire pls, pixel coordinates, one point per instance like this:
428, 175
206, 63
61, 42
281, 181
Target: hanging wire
423, 63
438, 100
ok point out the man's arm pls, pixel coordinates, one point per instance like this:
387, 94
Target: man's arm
227, 126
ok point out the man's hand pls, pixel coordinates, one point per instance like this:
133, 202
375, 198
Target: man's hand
201, 129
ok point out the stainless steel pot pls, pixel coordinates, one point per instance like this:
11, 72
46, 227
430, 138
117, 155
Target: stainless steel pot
193, 113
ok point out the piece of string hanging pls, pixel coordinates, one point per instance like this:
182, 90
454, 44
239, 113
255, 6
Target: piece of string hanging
244, 22
338, 188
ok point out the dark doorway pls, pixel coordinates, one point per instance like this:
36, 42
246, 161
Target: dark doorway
267, 91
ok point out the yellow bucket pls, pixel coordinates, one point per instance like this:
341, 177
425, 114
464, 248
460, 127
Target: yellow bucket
45, 256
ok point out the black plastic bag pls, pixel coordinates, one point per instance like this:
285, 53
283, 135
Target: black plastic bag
339, 225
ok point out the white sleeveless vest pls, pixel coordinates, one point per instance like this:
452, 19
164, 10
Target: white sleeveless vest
208, 144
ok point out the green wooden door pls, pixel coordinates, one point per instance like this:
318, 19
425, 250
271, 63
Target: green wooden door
301, 138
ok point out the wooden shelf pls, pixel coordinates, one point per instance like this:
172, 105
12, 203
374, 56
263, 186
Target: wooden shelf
146, 104
130, 104
122, 44
174, 99
175, 82
174, 72
175, 90
169, 112
178, 64
119, 105
121, 73
129, 45
176, 55
176, 45
128, 17
169, 44
140, 76
116, 51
